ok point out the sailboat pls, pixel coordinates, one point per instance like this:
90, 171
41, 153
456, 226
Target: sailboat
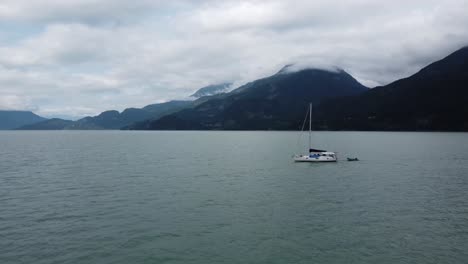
315, 155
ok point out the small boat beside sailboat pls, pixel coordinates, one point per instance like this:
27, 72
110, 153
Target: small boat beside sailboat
314, 155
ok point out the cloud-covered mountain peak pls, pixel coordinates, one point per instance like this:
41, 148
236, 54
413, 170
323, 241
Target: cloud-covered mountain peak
300, 66
212, 90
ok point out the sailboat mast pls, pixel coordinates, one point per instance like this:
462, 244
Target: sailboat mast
310, 126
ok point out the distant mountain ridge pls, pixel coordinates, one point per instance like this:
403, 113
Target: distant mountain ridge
49, 124
112, 119
275, 102
14, 119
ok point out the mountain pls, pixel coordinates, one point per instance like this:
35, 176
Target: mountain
275, 102
211, 90
15, 119
49, 124
161, 109
111, 119
435, 98
114, 120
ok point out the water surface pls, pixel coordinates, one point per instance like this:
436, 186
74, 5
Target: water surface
232, 197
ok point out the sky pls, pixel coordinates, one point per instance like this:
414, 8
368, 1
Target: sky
80, 57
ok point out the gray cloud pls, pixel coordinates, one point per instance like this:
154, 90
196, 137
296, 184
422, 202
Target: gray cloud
81, 57
81, 11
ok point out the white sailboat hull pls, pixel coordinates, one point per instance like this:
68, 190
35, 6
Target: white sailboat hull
314, 158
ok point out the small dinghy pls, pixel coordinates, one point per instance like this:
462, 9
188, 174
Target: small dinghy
352, 159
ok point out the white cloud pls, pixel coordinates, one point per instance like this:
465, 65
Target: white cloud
83, 57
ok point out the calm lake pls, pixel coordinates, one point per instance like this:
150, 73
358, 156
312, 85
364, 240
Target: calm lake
232, 197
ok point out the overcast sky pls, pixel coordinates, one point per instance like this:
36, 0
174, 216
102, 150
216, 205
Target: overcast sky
81, 57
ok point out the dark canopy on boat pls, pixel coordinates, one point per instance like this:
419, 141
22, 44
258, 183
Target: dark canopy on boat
317, 150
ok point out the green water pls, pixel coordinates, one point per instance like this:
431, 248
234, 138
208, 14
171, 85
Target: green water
232, 197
